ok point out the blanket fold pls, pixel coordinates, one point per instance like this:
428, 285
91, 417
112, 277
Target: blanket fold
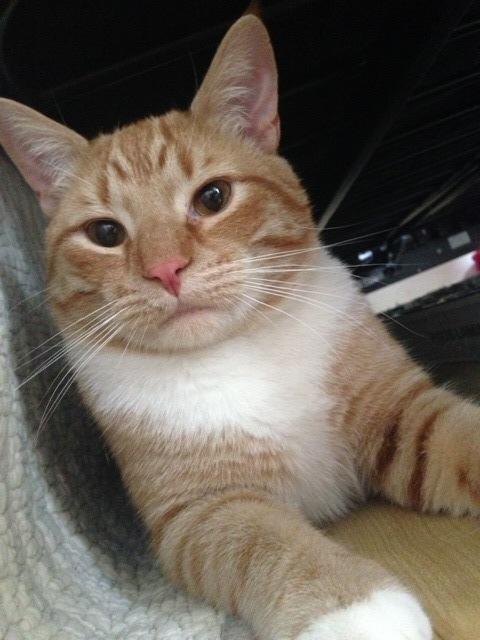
74, 559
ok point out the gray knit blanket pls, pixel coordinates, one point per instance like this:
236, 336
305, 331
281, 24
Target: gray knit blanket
74, 558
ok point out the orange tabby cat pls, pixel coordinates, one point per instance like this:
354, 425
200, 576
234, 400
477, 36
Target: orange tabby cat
240, 380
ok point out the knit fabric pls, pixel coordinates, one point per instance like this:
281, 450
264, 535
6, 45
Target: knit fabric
74, 559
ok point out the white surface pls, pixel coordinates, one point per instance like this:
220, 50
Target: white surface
422, 283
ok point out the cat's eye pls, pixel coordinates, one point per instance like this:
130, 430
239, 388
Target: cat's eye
212, 198
106, 233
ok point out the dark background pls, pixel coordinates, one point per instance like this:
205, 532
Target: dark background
380, 99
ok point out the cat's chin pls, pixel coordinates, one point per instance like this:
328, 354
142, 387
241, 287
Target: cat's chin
189, 329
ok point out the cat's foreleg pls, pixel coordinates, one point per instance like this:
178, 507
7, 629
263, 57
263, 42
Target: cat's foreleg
413, 442
261, 560
423, 449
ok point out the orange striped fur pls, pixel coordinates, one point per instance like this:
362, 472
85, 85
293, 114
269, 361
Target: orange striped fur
416, 441
264, 395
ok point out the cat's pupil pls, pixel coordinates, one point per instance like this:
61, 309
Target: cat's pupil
212, 197
107, 233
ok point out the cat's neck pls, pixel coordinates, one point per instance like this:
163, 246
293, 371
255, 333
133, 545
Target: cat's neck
274, 369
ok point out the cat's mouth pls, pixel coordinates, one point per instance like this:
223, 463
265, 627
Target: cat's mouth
188, 312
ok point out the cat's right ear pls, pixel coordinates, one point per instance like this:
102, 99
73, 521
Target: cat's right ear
44, 151
239, 92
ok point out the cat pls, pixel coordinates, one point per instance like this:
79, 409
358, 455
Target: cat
240, 380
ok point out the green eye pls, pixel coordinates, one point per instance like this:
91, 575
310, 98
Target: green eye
212, 197
106, 233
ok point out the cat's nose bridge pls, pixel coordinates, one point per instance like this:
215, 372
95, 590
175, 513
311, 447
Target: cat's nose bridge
162, 253
158, 241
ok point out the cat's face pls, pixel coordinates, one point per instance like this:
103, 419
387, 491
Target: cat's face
186, 208
156, 230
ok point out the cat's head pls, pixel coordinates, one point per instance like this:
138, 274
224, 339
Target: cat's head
156, 231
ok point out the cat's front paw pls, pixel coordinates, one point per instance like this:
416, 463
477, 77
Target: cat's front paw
385, 615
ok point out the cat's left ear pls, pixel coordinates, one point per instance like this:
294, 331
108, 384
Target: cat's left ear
44, 151
240, 90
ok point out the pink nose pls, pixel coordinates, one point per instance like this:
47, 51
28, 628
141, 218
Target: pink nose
168, 272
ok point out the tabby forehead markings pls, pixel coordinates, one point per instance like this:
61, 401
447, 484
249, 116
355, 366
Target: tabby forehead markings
162, 156
120, 172
103, 189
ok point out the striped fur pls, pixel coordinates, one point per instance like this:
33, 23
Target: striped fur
419, 445
280, 401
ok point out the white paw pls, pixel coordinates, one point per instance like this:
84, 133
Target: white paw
386, 615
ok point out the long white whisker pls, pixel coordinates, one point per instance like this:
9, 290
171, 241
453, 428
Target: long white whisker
282, 270
278, 254
67, 348
289, 268
112, 302
83, 361
310, 267
289, 315
315, 303
97, 331
88, 324
147, 326
254, 308
342, 243
400, 324
292, 252
132, 334
291, 286
33, 295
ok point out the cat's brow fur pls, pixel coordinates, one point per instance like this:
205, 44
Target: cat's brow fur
286, 398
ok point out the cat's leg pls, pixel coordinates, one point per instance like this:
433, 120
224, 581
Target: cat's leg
263, 561
415, 443
427, 456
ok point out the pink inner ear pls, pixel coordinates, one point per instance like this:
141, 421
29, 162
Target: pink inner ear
264, 122
43, 150
38, 171
22, 159
240, 88
39, 180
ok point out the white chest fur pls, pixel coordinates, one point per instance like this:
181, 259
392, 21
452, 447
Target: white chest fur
268, 385
264, 386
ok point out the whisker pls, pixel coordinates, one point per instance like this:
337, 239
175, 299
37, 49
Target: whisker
253, 307
291, 252
60, 342
400, 324
69, 347
33, 295
343, 243
83, 361
315, 303
132, 334
294, 288
333, 267
112, 302
64, 350
278, 254
147, 326
293, 268
289, 315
